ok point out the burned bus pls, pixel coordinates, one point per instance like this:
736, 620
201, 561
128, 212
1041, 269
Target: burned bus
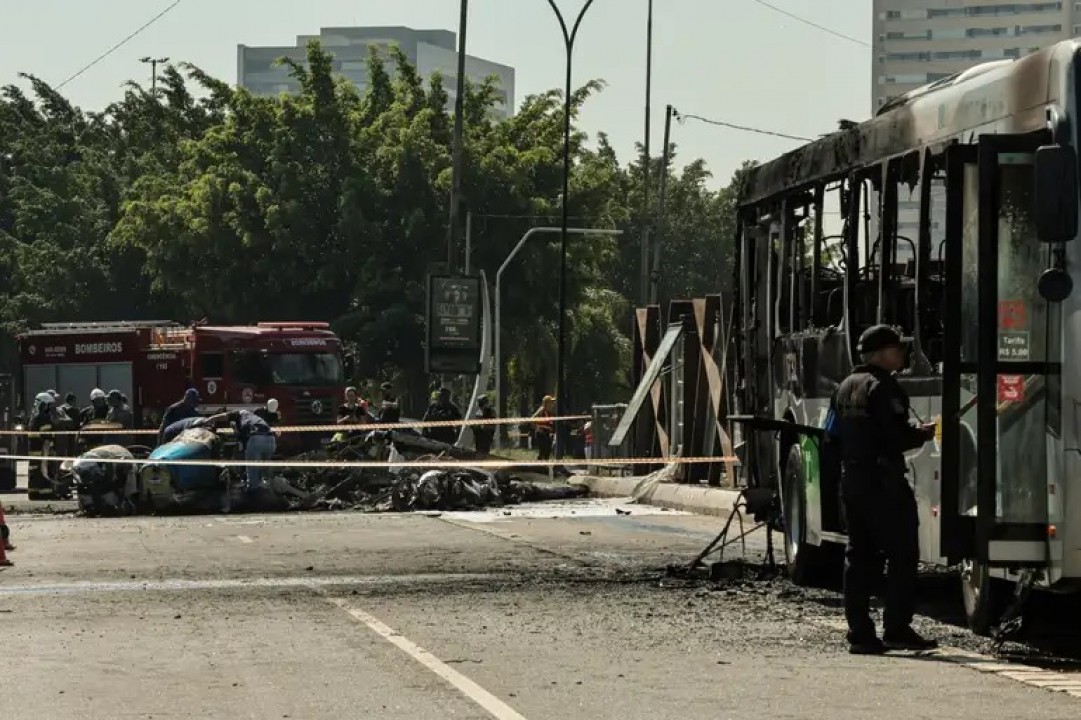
951, 214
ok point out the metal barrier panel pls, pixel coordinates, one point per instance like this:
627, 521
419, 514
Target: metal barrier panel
605, 421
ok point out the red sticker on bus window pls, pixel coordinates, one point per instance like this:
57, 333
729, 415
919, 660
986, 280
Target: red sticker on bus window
1011, 315
1011, 388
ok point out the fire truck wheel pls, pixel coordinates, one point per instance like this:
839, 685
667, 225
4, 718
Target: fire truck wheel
807, 564
983, 596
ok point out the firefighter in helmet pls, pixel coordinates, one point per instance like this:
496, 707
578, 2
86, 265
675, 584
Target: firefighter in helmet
269, 412
98, 409
47, 417
120, 413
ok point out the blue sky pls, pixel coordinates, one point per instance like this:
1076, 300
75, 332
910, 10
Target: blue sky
732, 60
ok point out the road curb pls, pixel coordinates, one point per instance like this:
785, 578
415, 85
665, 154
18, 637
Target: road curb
689, 498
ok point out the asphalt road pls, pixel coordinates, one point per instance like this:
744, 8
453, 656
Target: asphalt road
462, 615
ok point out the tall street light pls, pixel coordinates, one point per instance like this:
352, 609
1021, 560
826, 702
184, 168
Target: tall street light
153, 63
646, 228
569, 37
456, 180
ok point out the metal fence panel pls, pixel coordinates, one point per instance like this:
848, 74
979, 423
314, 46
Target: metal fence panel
605, 421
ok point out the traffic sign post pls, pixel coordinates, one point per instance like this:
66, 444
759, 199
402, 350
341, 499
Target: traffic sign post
453, 334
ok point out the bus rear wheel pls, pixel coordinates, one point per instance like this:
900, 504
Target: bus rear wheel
983, 596
807, 565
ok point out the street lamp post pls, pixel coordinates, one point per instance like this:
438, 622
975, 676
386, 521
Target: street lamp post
153, 63
658, 239
569, 37
456, 171
646, 227
499, 308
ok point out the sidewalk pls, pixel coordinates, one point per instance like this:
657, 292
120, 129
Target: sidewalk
699, 499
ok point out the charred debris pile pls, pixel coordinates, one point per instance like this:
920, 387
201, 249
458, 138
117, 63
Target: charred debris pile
400, 489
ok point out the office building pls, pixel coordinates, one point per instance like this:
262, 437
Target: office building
430, 51
919, 41
916, 42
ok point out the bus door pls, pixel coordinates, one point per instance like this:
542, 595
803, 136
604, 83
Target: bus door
1000, 414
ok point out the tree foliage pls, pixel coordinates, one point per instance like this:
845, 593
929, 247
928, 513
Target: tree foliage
203, 200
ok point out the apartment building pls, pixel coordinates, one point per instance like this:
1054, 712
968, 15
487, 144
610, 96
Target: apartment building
916, 42
430, 51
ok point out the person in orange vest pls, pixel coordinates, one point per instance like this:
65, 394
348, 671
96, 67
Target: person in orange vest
544, 429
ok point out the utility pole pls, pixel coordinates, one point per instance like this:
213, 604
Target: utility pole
456, 182
658, 240
645, 280
153, 63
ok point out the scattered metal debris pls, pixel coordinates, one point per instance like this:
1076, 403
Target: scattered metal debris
112, 489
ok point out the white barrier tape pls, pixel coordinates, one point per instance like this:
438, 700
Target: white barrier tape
434, 464
318, 428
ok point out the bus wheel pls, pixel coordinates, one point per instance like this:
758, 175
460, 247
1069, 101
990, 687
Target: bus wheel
982, 595
804, 561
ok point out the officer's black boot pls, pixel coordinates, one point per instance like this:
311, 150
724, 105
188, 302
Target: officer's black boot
907, 639
866, 646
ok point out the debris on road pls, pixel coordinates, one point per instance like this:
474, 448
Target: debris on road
403, 489
114, 489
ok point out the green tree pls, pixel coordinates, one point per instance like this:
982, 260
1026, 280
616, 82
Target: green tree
204, 200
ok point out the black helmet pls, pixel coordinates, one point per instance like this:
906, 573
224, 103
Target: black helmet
879, 337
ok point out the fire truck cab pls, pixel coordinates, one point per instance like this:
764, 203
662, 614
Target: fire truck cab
153, 362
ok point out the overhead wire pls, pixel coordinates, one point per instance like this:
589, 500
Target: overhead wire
811, 23
931, 66
120, 44
680, 117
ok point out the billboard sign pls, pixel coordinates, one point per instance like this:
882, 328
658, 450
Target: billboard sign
453, 324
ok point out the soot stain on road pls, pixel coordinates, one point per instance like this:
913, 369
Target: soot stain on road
758, 606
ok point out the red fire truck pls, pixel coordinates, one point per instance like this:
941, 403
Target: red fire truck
153, 362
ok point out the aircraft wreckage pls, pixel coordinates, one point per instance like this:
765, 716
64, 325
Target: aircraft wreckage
104, 486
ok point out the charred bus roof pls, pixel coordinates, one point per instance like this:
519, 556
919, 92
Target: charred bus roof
1015, 91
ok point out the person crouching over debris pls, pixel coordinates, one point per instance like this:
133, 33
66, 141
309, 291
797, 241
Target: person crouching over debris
255, 436
442, 410
544, 429
170, 433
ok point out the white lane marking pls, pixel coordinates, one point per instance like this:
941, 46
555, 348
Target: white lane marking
495, 707
237, 583
244, 539
1031, 675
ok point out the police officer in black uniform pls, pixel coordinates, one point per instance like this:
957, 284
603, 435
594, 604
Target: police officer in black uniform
871, 422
